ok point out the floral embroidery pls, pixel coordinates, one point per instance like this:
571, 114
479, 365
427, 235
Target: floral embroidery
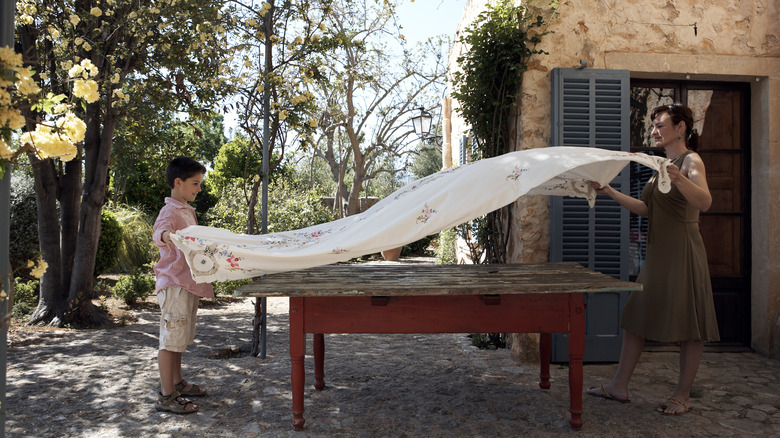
233, 260
339, 251
516, 174
426, 214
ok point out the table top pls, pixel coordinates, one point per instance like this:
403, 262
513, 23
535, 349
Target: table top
400, 279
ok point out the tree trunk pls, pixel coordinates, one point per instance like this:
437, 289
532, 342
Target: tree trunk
51, 304
97, 152
69, 240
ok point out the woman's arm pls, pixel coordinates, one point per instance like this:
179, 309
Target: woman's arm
636, 206
691, 180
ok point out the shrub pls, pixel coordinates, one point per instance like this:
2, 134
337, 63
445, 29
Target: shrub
446, 251
109, 244
137, 248
25, 297
419, 247
290, 207
134, 287
228, 287
23, 244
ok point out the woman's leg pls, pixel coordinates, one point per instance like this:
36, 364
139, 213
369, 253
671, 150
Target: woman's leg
690, 357
630, 351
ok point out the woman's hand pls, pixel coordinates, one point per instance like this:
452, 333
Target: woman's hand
675, 176
601, 190
636, 206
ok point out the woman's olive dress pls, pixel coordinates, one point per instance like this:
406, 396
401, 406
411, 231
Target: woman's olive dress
676, 302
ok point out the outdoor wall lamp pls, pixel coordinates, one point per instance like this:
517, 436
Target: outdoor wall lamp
422, 123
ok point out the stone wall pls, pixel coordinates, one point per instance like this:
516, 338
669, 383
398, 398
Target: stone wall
731, 41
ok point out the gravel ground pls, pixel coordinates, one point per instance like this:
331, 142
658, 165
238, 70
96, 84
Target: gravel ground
102, 383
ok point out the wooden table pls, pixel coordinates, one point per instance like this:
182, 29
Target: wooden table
528, 298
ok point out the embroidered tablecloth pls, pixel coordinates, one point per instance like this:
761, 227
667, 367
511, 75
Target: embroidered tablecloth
421, 208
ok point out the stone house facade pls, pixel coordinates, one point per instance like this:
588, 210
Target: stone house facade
718, 55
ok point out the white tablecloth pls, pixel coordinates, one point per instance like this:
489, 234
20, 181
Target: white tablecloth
423, 207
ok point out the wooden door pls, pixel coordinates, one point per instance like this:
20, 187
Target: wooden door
721, 116
724, 145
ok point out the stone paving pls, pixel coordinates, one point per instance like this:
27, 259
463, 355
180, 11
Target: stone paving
102, 384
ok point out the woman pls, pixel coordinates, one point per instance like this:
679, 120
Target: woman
676, 302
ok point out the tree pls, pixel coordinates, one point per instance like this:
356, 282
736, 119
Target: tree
367, 96
143, 148
167, 53
500, 41
274, 54
427, 162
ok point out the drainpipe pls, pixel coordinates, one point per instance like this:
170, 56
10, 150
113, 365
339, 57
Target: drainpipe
7, 8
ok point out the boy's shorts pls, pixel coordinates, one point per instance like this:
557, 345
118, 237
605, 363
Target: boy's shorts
178, 312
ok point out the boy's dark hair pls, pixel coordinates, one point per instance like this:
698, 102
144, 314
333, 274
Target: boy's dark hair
183, 168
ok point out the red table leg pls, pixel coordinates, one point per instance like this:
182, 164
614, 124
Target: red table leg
297, 352
319, 361
544, 360
576, 352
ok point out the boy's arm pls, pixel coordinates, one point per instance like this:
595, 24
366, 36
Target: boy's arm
163, 227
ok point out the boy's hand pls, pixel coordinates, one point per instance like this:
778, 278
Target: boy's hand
166, 237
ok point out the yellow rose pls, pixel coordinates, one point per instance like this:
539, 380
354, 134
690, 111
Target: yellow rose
40, 269
74, 127
9, 57
5, 150
13, 118
96, 11
88, 89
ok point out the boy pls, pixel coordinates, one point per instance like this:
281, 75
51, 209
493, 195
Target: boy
177, 292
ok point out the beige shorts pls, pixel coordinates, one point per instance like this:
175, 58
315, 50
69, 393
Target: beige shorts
178, 313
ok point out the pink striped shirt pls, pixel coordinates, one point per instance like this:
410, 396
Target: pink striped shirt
172, 269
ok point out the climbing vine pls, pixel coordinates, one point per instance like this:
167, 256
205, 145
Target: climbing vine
501, 40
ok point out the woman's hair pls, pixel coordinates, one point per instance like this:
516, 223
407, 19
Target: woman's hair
680, 113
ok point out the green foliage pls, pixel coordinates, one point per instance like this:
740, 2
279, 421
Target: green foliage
23, 245
427, 162
488, 341
25, 297
109, 244
446, 251
500, 41
231, 210
236, 160
291, 207
291, 204
137, 249
141, 154
228, 287
134, 287
314, 171
419, 247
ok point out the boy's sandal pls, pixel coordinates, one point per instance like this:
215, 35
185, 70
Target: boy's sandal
194, 391
174, 403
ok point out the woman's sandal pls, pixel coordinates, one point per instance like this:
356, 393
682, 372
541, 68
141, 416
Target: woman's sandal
194, 391
174, 403
686, 407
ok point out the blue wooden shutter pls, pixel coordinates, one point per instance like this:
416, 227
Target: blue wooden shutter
590, 108
463, 152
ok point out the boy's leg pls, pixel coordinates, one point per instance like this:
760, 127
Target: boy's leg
169, 363
177, 330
